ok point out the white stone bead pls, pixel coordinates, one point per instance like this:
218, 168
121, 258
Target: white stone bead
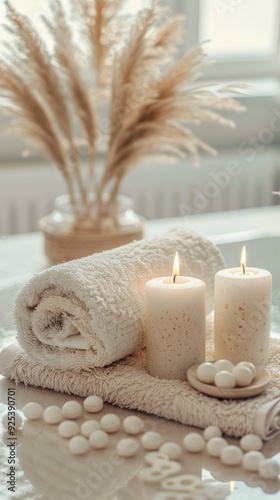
155, 456
110, 423
251, 442
176, 495
225, 380
250, 366
185, 482
93, 404
252, 460
231, 455
172, 450
99, 440
212, 431
243, 375
151, 440
127, 447
14, 423
269, 469
224, 365
79, 445
68, 429
193, 442
159, 471
33, 411
215, 446
206, 373
53, 415
133, 424
71, 410
88, 427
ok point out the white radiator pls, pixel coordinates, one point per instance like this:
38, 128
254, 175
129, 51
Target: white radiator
28, 193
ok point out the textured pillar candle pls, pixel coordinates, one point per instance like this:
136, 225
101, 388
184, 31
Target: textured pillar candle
175, 325
242, 314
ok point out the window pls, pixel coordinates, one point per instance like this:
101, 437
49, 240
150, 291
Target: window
243, 40
239, 28
260, 69
28, 7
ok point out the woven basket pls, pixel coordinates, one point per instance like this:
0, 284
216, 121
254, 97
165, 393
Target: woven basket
76, 242
69, 237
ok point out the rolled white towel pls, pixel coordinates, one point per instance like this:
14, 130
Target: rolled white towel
90, 312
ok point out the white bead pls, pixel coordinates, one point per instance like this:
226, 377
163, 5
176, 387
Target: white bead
250, 366
212, 431
71, 409
206, 372
215, 446
155, 456
193, 442
243, 375
99, 440
251, 442
224, 365
159, 471
53, 415
12, 423
185, 482
252, 460
68, 429
164, 495
231, 455
269, 469
93, 404
127, 447
110, 423
151, 440
133, 425
172, 450
79, 445
225, 380
88, 427
33, 411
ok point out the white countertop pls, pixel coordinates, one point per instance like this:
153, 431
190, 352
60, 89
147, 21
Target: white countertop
22, 255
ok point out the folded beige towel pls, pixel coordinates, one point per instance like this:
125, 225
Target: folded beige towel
127, 384
90, 312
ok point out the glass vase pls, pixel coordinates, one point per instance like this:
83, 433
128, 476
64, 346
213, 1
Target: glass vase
71, 235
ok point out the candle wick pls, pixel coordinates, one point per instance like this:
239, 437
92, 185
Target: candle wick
174, 278
243, 266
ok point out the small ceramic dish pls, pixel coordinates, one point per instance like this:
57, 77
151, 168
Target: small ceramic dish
259, 384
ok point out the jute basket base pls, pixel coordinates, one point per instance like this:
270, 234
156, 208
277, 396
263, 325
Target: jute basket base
77, 243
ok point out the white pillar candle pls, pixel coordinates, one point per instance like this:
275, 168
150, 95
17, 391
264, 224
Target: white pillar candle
242, 314
175, 325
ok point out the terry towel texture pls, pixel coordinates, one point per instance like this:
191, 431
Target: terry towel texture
126, 383
90, 312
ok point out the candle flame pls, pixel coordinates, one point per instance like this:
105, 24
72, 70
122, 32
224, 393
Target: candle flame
243, 259
231, 485
176, 266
